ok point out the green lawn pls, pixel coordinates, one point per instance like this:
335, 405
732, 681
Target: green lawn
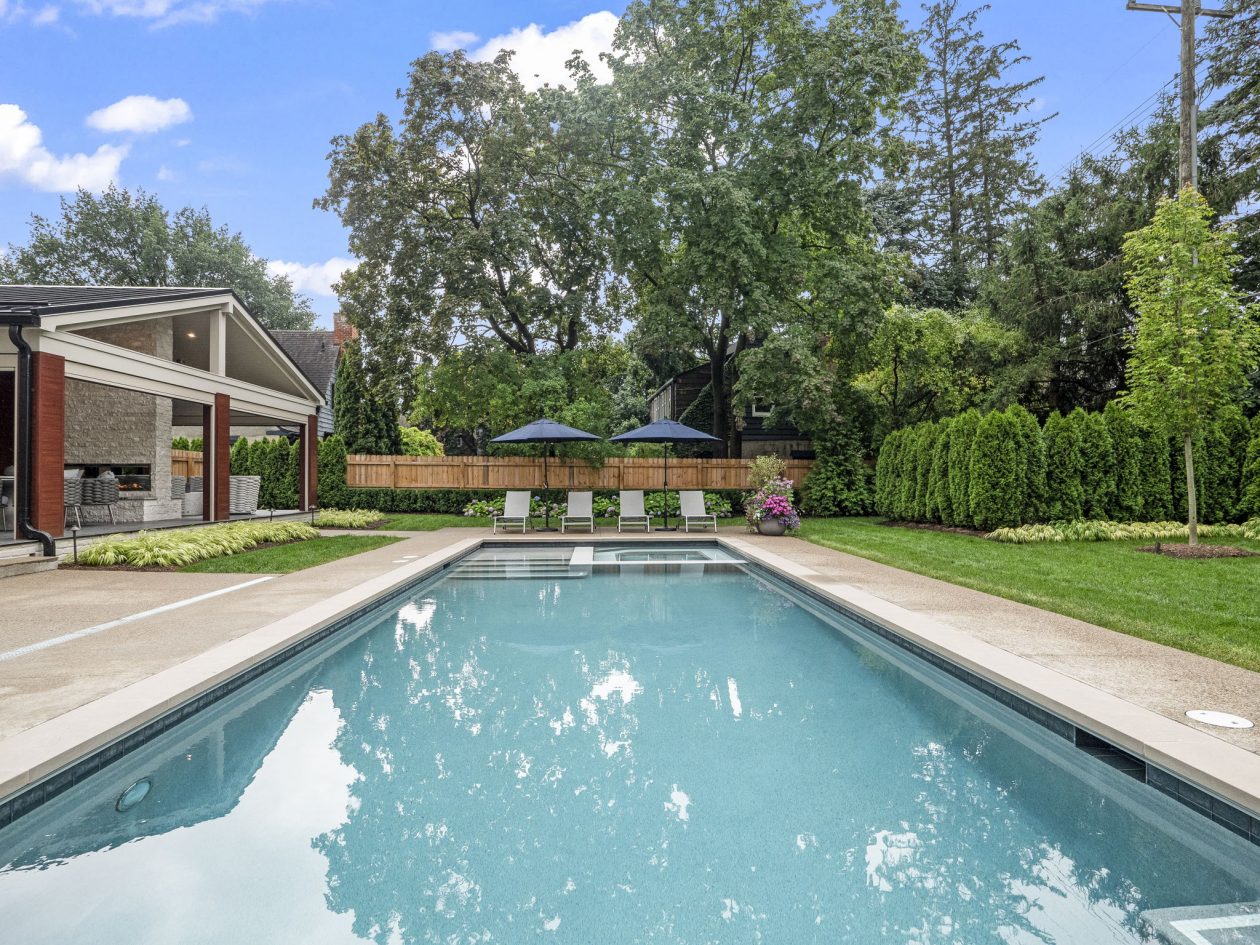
1210, 607
295, 556
430, 523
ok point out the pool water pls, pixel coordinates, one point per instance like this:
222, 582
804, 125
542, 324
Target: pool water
681, 757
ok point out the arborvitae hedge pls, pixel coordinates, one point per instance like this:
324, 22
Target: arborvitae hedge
997, 472
1249, 498
1098, 458
940, 507
1065, 467
962, 435
1126, 451
1004, 469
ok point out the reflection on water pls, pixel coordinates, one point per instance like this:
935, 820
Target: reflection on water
677, 758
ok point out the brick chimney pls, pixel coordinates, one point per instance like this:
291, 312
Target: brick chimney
343, 331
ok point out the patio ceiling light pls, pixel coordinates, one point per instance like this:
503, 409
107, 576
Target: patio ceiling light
192, 334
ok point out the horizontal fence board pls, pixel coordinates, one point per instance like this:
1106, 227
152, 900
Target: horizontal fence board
526, 472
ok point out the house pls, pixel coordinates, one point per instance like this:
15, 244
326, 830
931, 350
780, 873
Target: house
757, 437
93, 378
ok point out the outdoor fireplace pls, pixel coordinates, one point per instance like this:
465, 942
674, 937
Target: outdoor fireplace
132, 477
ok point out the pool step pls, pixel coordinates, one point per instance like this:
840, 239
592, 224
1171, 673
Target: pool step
510, 566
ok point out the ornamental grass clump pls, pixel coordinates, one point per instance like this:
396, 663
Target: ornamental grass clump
349, 518
179, 547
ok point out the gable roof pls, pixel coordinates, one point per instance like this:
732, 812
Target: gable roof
314, 352
51, 299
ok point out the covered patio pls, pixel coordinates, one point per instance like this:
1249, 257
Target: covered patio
92, 380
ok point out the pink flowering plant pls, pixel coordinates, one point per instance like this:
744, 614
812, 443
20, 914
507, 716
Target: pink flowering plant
773, 502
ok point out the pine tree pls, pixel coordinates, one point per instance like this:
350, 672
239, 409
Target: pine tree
1098, 473
363, 416
1126, 493
997, 468
962, 433
940, 508
973, 141
1064, 469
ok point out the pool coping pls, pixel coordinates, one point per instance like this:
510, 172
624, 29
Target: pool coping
1213, 777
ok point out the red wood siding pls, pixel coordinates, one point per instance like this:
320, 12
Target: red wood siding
222, 456
48, 442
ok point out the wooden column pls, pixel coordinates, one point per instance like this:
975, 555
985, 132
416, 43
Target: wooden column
216, 458
48, 442
308, 466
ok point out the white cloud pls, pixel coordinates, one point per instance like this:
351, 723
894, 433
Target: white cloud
164, 173
23, 156
17, 12
455, 39
171, 12
312, 278
140, 114
540, 56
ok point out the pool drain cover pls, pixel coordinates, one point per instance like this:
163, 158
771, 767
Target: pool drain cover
1234, 924
1222, 719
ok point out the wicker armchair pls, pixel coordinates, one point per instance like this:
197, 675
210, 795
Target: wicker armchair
72, 498
101, 492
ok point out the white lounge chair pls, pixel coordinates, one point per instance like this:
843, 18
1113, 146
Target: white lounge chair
579, 511
515, 512
632, 512
693, 511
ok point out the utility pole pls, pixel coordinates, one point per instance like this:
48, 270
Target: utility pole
1190, 11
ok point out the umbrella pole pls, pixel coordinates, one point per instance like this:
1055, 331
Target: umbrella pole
546, 505
665, 495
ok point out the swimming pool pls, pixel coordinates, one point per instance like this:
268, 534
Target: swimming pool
688, 754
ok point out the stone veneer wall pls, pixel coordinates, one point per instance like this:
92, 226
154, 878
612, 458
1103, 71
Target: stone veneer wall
109, 425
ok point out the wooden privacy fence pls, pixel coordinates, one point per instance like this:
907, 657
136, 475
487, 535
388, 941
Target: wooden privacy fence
186, 463
526, 472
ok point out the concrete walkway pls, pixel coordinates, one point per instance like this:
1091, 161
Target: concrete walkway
41, 685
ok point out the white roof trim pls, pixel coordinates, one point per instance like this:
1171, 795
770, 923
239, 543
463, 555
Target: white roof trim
62, 323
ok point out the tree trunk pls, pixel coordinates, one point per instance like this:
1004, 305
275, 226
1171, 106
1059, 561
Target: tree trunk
1192, 499
721, 402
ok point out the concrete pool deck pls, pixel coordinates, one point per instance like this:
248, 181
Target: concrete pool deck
99, 673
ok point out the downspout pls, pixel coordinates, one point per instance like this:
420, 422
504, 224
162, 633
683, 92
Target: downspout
24, 391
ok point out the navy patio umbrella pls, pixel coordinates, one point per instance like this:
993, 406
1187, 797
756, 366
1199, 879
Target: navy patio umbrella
545, 431
665, 431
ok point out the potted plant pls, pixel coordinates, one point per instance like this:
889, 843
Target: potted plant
769, 509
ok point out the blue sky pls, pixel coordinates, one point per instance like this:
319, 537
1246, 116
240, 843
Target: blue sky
231, 104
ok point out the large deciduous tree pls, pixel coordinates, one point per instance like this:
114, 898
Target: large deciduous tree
122, 238
473, 217
1195, 335
973, 132
746, 133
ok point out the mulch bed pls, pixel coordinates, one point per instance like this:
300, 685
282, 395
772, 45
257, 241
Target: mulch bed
927, 527
1197, 551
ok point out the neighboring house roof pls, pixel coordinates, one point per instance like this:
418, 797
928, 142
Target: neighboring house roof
314, 352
